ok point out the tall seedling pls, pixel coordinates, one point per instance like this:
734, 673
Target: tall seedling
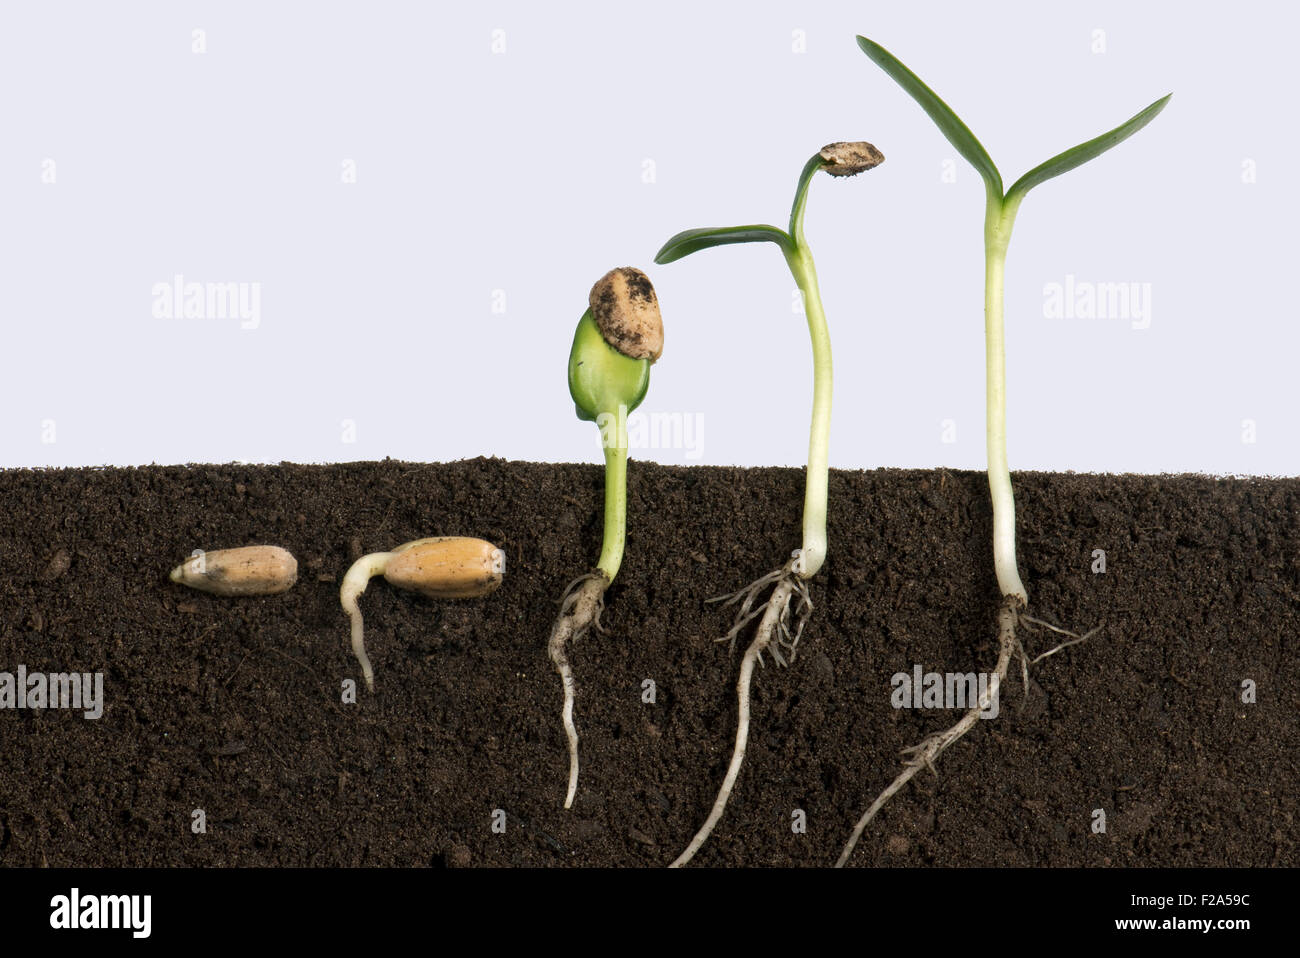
999, 217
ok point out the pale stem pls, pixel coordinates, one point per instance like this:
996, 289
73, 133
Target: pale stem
815, 481
997, 234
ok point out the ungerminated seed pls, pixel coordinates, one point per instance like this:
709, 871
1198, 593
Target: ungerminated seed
251, 570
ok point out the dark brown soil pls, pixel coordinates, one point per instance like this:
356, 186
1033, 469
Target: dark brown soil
234, 706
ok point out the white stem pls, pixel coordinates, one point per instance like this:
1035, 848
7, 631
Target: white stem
819, 435
800, 260
354, 585
997, 233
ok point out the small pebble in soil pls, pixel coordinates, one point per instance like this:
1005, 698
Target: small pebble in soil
823, 669
459, 856
59, 563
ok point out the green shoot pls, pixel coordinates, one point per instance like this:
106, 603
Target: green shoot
1000, 216
838, 159
607, 385
617, 339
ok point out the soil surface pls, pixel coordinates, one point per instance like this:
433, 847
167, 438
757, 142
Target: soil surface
235, 706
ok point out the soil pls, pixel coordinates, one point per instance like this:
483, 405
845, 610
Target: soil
234, 706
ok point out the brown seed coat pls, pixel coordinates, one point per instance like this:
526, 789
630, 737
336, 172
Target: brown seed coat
849, 159
626, 311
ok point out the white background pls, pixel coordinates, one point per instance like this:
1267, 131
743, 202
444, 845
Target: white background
526, 171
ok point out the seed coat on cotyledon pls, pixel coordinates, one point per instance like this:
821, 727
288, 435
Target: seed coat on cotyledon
440, 567
626, 310
250, 570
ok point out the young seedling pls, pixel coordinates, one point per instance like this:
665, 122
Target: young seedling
788, 582
442, 567
999, 217
251, 570
618, 338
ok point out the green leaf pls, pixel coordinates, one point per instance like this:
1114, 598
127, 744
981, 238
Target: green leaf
949, 124
1077, 156
691, 241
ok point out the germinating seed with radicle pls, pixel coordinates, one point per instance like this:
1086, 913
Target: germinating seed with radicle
442, 567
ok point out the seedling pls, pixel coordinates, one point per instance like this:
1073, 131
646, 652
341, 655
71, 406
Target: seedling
999, 217
618, 338
443, 567
251, 570
788, 582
